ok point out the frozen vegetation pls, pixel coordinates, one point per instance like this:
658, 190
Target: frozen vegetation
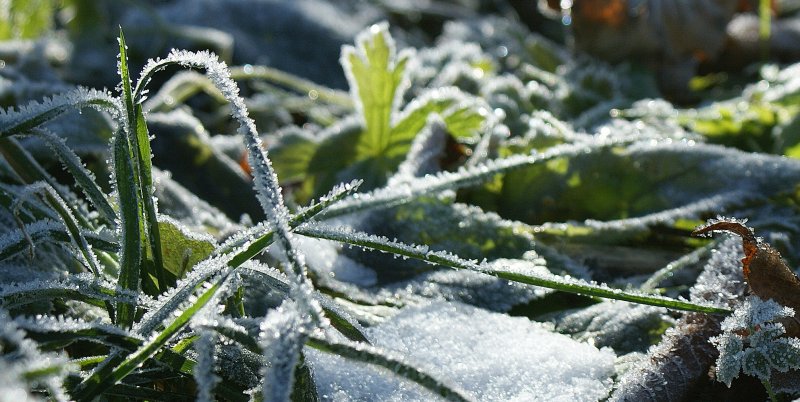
351, 201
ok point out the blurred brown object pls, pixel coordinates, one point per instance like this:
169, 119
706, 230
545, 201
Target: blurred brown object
673, 36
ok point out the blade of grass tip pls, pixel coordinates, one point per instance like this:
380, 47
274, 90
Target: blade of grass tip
395, 364
131, 241
139, 140
118, 366
550, 281
83, 177
265, 181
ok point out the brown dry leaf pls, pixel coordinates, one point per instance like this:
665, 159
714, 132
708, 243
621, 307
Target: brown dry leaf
765, 271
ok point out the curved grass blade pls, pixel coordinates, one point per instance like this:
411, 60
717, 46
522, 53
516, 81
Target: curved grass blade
61, 332
83, 177
82, 287
565, 284
44, 230
397, 365
34, 114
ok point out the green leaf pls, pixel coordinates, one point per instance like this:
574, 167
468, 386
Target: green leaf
182, 249
375, 73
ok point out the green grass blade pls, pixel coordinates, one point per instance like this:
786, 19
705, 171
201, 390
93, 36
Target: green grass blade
81, 287
17, 241
83, 177
145, 170
332, 96
394, 364
571, 285
131, 240
139, 140
58, 333
73, 229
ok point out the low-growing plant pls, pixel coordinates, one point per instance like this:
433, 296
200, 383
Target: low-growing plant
149, 309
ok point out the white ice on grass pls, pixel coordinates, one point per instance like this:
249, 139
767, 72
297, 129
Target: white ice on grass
493, 357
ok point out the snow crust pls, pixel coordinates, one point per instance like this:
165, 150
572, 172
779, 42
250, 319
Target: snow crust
493, 357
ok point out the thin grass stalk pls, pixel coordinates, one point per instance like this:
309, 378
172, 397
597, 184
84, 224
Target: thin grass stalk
454, 262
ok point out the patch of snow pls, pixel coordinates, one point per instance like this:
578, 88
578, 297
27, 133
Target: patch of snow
493, 357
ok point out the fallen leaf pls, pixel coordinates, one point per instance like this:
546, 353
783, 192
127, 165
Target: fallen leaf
765, 271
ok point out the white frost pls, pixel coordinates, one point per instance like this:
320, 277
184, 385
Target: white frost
493, 357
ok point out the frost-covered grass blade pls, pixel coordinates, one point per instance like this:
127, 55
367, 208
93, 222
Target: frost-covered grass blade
556, 282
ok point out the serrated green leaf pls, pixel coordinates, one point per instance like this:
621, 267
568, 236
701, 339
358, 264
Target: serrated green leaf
375, 73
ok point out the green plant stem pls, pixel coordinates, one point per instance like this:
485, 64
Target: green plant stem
770, 392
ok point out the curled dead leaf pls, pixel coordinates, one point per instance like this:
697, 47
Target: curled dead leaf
766, 272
